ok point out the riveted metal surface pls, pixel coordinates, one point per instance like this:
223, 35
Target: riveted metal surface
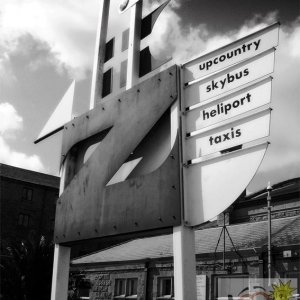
90, 209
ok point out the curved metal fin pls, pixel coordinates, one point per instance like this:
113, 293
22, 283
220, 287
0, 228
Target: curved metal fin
61, 115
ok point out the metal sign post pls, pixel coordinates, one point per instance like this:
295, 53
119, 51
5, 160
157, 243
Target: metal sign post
221, 117
269, 208
134, 45
99, 53
210, 117
184, 263
61, 261
183, 236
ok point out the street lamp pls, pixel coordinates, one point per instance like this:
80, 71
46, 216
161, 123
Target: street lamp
269, 208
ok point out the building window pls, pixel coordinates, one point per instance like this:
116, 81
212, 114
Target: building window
123, 73
23, 220
165, 288
107, 83
126, 288
109, 50
125, 39
27, 194
131, 287
145, 62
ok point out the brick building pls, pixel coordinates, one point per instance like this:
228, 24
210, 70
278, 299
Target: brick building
27, 202
143, 268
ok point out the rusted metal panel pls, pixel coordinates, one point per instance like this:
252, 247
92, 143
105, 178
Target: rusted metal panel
90, 209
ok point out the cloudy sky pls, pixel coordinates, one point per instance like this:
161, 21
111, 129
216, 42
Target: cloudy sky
45, 44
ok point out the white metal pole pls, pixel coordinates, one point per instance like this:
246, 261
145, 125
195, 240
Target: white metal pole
184, 263
134, 45
269, 208
97, 77
183, 237
60, 276
61, 262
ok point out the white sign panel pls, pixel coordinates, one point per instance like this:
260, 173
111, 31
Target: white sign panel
242, 131
233, 53
231, 78
212, 186
222, 109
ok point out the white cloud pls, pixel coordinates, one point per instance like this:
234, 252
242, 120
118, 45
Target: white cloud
170, 38
19, 159
6, 75
184, 43
10, 123
67, 27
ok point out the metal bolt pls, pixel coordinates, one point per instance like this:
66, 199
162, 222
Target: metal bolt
171, 74
172, 156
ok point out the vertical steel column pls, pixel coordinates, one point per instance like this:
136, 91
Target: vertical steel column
61, 262
134, 45
60, 276
184, 263
224, 240
97, 77
183, 236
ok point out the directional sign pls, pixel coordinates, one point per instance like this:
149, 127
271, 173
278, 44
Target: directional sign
233, 134
233, 53
226, 97
237, 103
230, 78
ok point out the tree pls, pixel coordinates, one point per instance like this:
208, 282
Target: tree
26, 270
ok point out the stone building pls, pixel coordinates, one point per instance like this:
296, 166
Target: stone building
143, 268
28, 202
